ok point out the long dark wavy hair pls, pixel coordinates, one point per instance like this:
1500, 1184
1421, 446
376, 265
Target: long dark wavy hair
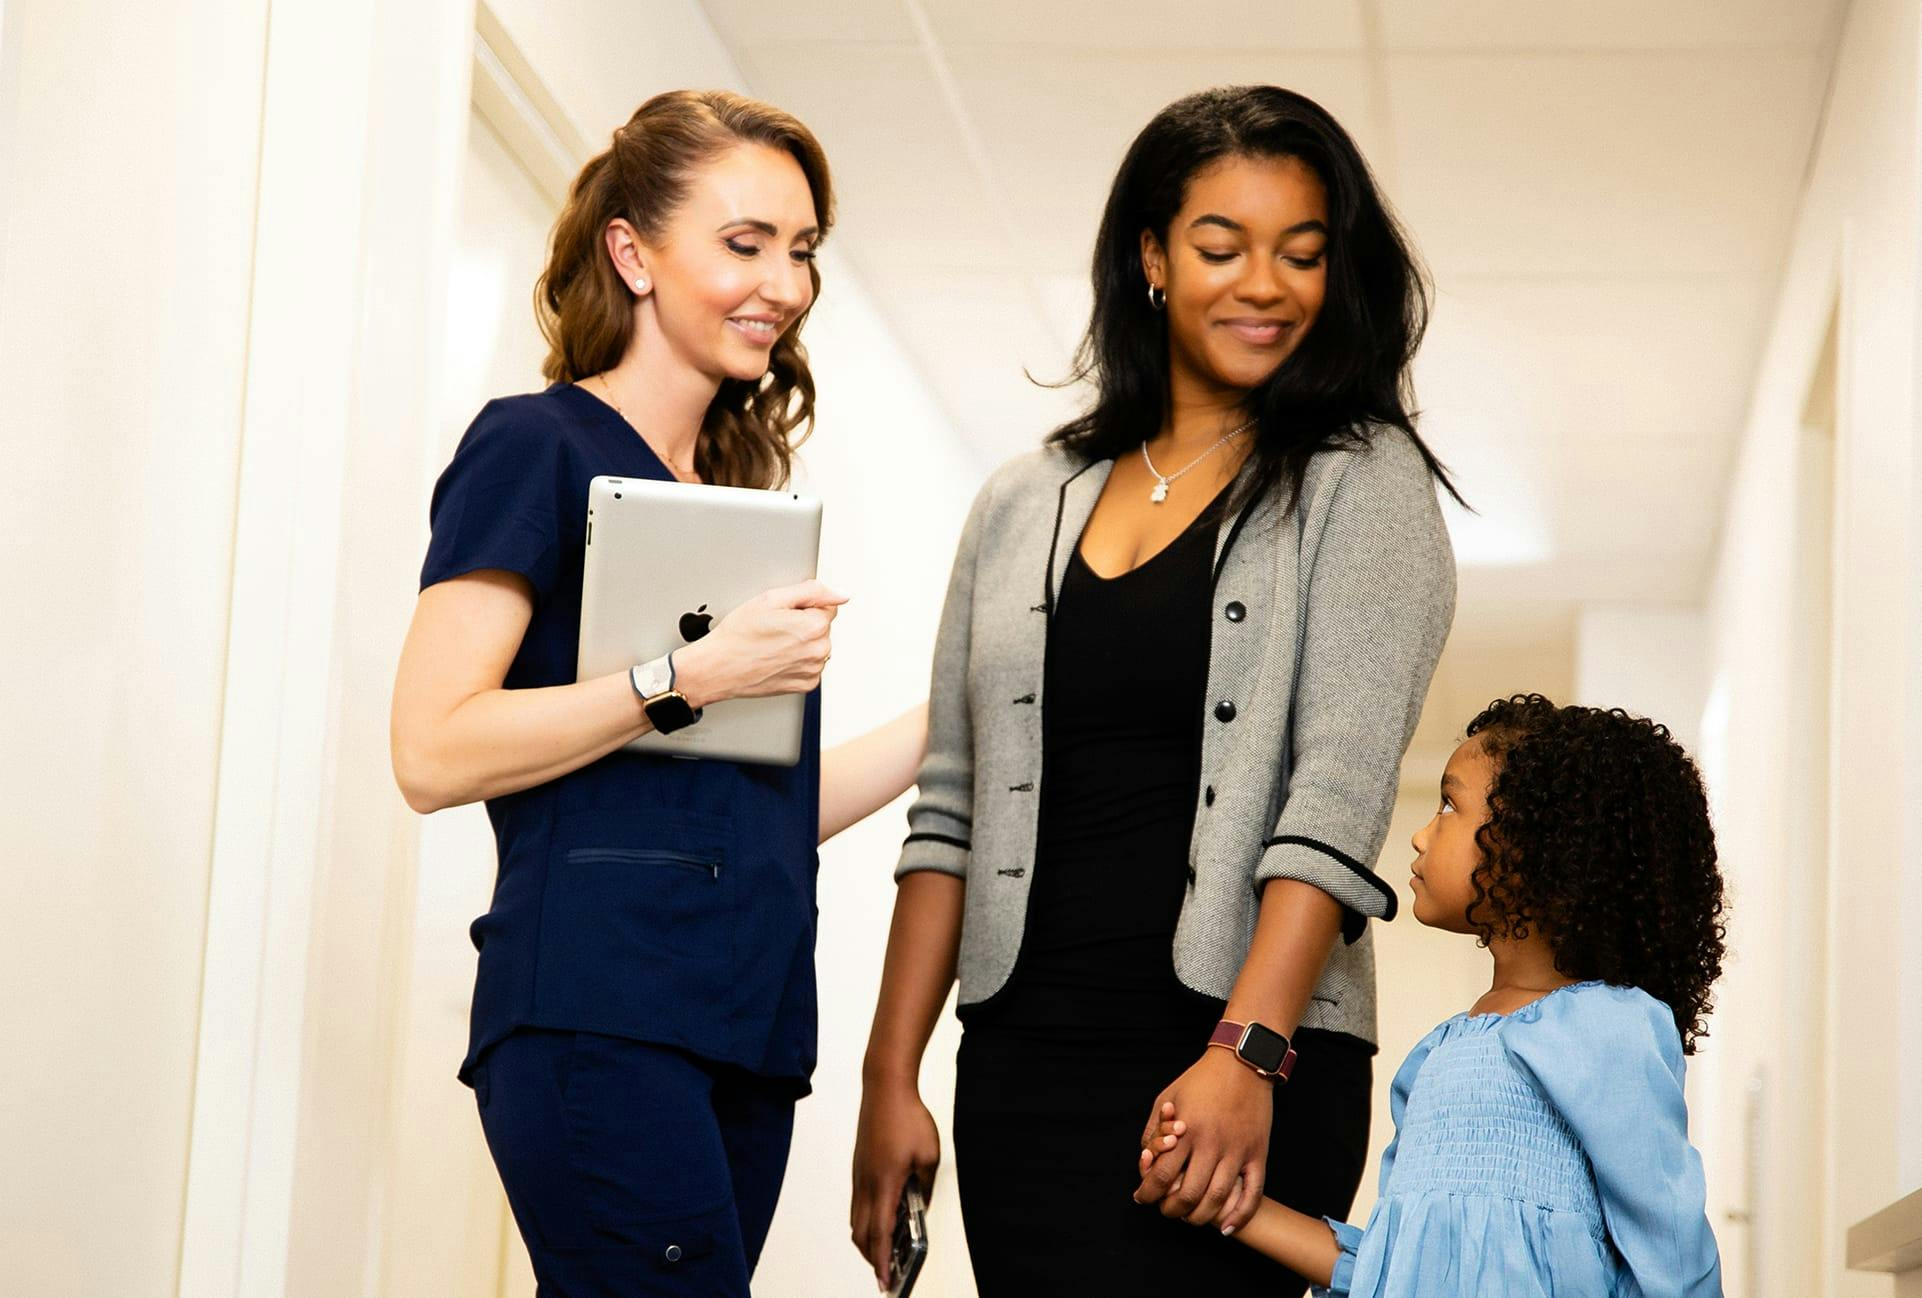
1349, 372
586, 310
1598, 836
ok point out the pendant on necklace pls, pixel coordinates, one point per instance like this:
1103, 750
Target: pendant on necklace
1160, 493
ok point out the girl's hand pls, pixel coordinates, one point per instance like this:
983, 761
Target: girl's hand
894, 1137
1168, 1135
1230, 1110
776, 643
1164, 1138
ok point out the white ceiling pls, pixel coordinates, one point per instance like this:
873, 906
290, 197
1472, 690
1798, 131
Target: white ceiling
1604, 195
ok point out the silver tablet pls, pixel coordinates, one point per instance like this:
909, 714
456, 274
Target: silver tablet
668, 560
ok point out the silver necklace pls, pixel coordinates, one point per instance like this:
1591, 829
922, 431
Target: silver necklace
1163, 480
608, 388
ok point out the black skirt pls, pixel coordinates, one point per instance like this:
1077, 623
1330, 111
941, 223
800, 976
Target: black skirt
1045, 1145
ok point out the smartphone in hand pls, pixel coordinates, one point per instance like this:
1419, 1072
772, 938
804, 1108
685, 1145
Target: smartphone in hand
910, 1239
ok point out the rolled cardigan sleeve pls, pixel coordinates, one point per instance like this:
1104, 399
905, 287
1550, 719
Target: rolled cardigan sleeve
1379, 597
941, 817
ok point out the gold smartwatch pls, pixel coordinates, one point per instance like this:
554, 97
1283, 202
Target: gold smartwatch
1261, 1048
666, 707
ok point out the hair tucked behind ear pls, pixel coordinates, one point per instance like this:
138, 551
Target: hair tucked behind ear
586, 310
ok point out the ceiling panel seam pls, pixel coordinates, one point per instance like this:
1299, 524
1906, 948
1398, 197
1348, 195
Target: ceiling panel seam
977, 151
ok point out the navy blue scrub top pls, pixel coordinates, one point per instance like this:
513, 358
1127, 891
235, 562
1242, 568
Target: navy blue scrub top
655, 898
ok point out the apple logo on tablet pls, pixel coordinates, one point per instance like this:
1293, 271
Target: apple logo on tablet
695, 625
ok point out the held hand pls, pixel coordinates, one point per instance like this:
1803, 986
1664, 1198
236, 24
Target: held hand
776, 643
1167, 1136
1215, 1170
1163, 1136
896, 1136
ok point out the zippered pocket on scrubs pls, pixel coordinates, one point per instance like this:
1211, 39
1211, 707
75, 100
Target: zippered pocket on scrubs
643, 856
638, 929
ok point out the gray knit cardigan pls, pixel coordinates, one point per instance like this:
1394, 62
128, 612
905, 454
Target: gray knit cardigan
1328, 619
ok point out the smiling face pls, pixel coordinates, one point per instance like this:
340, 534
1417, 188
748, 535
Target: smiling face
1245, 268
730, 270
1446, 853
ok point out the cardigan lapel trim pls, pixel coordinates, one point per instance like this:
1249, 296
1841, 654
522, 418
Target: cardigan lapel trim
1225, 536
1077, 501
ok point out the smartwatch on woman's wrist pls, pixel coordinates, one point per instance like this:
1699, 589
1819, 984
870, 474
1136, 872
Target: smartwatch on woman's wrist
666, 707
1261, 1048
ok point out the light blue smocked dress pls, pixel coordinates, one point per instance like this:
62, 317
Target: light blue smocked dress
1543, 1152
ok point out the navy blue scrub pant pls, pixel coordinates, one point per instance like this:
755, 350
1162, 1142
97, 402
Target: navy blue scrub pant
633, 1169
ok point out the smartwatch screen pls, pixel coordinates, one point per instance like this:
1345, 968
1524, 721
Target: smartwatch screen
1264, 1048
670, 712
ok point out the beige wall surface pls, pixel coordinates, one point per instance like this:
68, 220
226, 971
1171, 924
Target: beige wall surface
128, 140
1809, 1131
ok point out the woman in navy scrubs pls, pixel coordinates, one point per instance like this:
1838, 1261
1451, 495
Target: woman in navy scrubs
641, 1029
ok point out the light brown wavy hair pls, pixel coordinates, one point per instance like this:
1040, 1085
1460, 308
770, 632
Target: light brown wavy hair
586, 310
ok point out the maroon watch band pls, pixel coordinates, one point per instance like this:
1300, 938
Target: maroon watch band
1230, 1035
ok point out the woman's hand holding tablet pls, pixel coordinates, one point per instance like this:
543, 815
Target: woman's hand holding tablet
775, 643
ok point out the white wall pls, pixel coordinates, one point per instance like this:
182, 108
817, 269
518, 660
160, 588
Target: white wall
1646, 658
1813, 1001
128, 144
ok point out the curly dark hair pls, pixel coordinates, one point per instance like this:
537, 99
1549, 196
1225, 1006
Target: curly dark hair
1598, 836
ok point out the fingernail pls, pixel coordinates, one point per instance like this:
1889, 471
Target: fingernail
1227, 1230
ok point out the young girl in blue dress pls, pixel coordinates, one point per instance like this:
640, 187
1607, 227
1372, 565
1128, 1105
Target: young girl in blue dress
1541, 1136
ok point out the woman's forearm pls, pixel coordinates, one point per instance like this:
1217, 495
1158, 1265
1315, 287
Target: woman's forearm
457, 735
1299, 1242
1296, 929
866, 773
501, 741
923, 943
1228, 1109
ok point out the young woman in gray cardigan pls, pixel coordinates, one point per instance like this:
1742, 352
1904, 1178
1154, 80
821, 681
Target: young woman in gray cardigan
1184, 648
